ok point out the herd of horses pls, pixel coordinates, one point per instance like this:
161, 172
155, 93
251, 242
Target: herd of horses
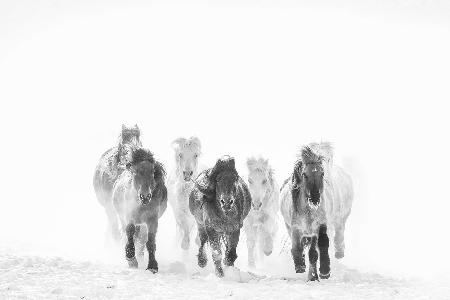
216, 203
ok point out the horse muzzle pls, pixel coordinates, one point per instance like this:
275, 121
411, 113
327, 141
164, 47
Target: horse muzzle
256, 206
187, 175
145, 199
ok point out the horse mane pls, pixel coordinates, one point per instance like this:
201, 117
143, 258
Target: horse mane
208, 179
326, 149
140, 155
309, 155
296, 180
262, 165
160, 171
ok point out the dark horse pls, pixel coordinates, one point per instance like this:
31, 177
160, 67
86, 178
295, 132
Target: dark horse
304, 214
112, 163
140, 198
220, 201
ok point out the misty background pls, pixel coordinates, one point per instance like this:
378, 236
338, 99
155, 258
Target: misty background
247, 78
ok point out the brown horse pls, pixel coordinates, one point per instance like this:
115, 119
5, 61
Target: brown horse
112, 163
220, 201
140, 198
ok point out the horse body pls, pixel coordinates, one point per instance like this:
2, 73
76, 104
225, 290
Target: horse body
112, 163
139, 200
261, 224
219, 202
338, 196
180, 185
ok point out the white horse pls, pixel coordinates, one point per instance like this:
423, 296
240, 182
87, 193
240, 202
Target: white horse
180, 184
338, 194
261, 224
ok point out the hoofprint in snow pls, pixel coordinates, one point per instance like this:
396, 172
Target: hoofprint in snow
42, 277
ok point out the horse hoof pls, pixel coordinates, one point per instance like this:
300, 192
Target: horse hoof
339, 254
228, 263
132, 263
300, 269
324, 276
267, 253
313, 278
202, 261
152, 266
219, 272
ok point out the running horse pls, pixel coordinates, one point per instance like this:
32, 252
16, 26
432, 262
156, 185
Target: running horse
112, 163
139, 200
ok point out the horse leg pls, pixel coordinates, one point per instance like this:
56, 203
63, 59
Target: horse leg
152, 227
251, 242
313, 256
267, 242
297, 251
129, 247
339, 243
232, 242
203, 237
113, 224
184, 226
323, 243
140, 236
214, 242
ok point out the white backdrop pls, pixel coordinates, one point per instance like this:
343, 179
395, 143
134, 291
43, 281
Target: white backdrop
249, 78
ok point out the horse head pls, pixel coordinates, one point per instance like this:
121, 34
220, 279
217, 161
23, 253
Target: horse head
187, 152
308, 177
130, 135
313, 173
221, 186
146, 173
259, 179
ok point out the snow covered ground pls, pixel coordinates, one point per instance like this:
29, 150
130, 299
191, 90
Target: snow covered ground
41, 277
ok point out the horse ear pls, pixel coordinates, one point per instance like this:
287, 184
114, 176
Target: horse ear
123, 127
193, 140
176, 144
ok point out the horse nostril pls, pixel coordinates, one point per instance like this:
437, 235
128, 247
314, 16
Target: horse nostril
191, 172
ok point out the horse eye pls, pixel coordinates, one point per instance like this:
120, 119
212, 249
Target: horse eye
250, 181
264, 181
196, 155
231, 201
180, 155
304, 175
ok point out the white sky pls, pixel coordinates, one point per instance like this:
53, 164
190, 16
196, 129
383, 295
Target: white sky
247, 78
